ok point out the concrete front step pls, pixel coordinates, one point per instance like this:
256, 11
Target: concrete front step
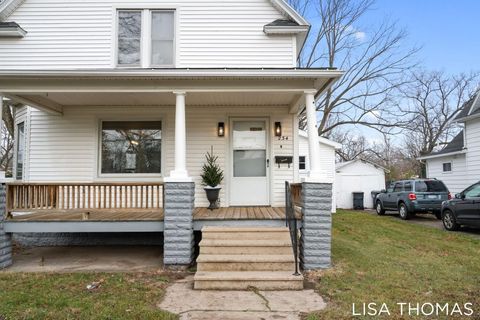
230, 247
246, 233
253, 262
280, 235
212, 229
239, 258
262, 280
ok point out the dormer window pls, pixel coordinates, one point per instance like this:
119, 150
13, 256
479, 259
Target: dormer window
145, 38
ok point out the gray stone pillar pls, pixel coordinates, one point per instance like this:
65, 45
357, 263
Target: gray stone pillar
5, 239
178, 221
316, 229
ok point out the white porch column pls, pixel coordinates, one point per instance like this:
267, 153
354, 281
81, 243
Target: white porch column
313, 144
180, 174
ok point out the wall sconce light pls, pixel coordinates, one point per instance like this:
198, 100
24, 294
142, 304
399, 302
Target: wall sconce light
221, 129
278, 129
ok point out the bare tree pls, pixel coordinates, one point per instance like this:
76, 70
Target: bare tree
431, 101
7, 142
374, 63
353, 146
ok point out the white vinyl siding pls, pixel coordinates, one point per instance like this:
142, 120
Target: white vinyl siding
455, 180
472, 136
327, 164
327, 159
81, 34
65, 148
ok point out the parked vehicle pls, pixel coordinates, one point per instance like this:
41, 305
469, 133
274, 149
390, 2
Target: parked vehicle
464, 209
409, 197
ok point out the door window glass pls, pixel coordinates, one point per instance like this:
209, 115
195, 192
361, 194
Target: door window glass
249, 149
398, 187
249, 163
407, 186
473, 191
390, 187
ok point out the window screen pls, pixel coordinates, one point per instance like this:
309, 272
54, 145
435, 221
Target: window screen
162, 37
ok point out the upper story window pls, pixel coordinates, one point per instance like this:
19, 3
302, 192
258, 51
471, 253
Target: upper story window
145, 38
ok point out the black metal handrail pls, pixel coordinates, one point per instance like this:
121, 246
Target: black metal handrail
291, 223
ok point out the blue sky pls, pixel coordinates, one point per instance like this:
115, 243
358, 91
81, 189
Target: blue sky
447, 30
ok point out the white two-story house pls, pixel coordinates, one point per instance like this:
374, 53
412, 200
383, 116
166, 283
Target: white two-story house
123, 99
458, 164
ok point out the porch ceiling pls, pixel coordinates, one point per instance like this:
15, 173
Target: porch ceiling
53, 90
94, 99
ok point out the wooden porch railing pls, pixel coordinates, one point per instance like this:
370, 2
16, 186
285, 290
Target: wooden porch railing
296, 193
71, 196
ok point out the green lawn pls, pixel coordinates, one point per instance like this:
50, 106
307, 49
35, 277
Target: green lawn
64, 296
382, 259
376, 259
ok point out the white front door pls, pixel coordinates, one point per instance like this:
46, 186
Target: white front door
249, 153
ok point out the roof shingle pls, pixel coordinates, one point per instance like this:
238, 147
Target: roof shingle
456, 144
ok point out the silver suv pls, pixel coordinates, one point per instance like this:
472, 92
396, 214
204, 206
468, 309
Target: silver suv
409, 197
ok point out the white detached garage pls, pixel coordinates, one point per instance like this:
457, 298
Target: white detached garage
357, 176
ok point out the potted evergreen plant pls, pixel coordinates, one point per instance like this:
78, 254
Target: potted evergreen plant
212, 176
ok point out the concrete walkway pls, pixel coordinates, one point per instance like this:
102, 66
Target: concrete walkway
192, 304
81, 259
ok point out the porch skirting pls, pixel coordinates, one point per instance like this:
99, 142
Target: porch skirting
316, 231
5, 238
178, 223
63, 239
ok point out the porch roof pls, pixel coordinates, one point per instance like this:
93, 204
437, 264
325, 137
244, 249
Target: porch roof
51, 90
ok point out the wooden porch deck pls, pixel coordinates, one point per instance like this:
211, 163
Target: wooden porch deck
92, 215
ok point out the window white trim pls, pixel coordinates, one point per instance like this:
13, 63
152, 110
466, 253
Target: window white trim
145, 38
128, 176
447, 171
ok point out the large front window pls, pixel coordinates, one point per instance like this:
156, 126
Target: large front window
145, 38
131, 147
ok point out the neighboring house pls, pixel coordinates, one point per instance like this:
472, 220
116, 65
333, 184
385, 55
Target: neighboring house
124, 99
458, 164
357, 176
327, 160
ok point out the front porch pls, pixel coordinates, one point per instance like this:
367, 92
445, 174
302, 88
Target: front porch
137, 142
148, 220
